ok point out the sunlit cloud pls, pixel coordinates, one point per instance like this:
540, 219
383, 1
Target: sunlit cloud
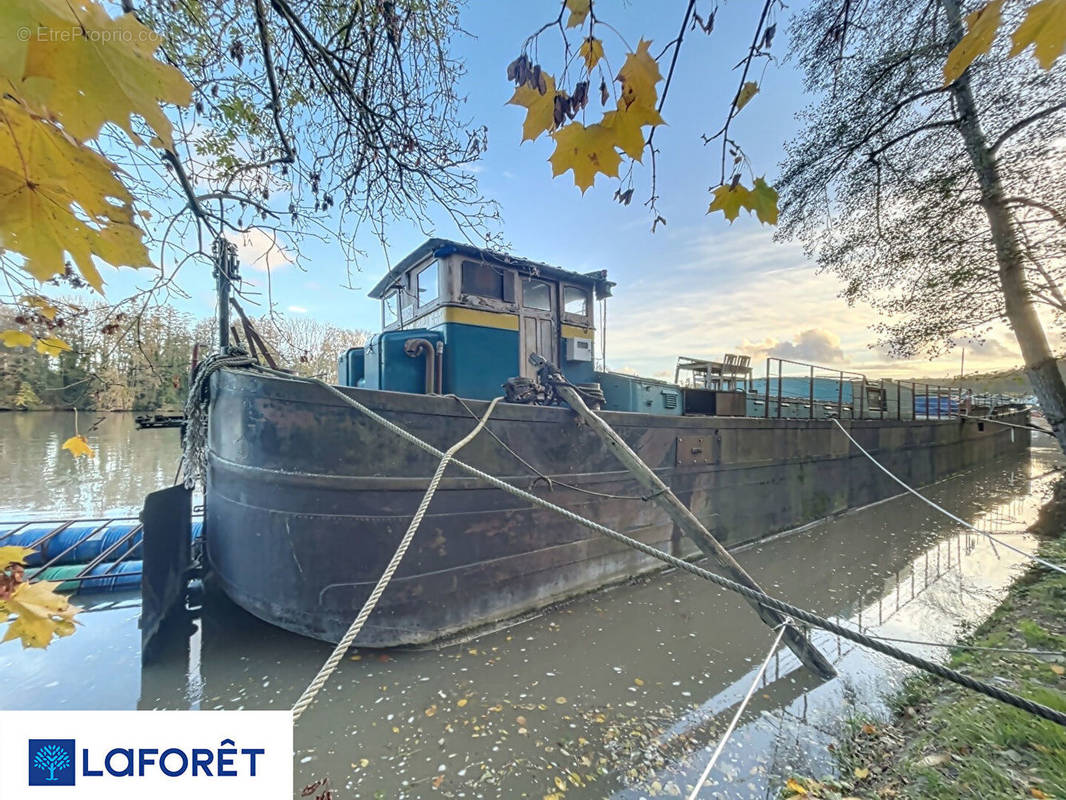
262, 251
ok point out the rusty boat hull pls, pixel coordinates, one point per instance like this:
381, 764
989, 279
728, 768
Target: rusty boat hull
307, 498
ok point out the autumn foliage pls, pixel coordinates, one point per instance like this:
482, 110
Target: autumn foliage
34, 612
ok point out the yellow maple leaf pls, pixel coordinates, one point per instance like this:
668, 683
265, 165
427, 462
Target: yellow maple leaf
862, 773
126, 78
17, 19
48, 185
78, 445
1045, 27
747, 91
579, 9
12, 554
586, 150
13, 338
592, 51
638, 75
40, 614
981, 28
795, 786
729, 200
628, 136
43, 307
762, 199
540, 108
51, 346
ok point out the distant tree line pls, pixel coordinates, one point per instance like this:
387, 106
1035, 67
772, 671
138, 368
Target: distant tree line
141, 363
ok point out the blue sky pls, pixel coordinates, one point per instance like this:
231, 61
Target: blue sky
698, 286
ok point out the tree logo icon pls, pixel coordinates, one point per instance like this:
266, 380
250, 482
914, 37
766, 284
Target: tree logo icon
51, 762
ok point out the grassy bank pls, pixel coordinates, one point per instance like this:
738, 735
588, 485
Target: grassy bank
943, 741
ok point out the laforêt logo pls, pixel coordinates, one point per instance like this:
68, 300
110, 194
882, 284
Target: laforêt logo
51, 762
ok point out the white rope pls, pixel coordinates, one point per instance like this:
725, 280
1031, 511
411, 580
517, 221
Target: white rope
944, 511
335, 657
736, 717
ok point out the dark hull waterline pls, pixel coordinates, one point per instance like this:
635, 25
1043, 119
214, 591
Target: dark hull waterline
307, 499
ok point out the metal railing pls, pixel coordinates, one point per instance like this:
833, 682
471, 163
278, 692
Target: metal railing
815, 391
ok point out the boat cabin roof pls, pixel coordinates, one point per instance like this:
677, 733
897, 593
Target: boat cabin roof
441, 248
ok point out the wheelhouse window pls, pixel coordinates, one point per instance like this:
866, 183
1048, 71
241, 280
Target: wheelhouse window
390, 309
427, 285
536, 294
575, 301
483, 280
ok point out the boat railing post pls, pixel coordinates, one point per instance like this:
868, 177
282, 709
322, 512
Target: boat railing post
862, 398
899, 401
812, 392
780, 365
840, 396
766, 411
939, 392
927, 401
881, 400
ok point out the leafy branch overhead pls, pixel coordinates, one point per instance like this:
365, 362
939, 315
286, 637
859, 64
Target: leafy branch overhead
617, 134
1043, 27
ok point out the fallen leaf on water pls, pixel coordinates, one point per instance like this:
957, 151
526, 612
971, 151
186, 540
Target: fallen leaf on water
462, 702
560, 784
78, 446
438, 781
1039, 794
862, 773
869, 729
1058, 669
560, 700
638, 681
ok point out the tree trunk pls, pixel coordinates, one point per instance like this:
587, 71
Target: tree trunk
1040, 362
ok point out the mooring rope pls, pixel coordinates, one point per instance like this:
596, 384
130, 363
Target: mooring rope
798, 613
944, 511
334, 660
736, 717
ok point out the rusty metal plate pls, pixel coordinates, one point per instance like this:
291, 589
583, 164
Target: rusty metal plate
697, 450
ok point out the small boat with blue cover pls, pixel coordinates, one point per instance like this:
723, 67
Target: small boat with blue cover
307, 497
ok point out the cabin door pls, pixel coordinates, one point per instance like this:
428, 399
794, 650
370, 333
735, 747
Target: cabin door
537, 324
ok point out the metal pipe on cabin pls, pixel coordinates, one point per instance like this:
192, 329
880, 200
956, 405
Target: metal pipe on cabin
689, 524
416, 347
440, 367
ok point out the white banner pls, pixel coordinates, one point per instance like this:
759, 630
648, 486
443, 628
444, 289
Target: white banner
197, 755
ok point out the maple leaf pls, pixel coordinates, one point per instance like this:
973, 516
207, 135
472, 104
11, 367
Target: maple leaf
78, 445
592, 51
13, 338
42, 306
40, 614
747, 91
1045, 27
117, 55
638, 75
48, 185
27, 15
626, 123
585, 150
762, 199
14, 555
540, 108
52, 346
579, 9
729, 200
980, 31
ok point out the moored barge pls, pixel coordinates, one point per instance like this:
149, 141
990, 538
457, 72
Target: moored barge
307, 498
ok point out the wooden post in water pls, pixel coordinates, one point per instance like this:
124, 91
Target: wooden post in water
806, 652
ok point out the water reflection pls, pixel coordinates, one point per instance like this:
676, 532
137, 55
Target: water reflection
621, 693
42, 481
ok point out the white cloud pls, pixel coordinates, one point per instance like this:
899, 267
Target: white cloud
262, 251
297, 309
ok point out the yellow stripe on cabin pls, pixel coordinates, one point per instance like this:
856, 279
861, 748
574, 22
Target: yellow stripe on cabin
575, 332
486, 319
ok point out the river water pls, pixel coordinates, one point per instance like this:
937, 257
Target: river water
622, 693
